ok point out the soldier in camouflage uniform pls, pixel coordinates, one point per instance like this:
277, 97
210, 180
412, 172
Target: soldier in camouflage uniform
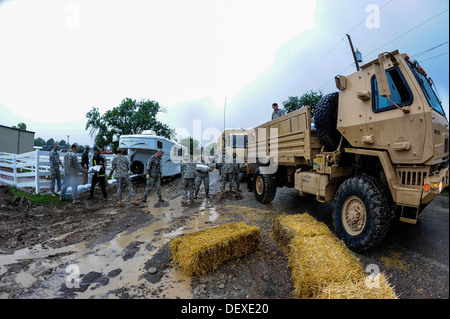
55, 161
71, 169
202, 177
226, 173
188, 168
236, 169
153, 175
121, 165
277, 112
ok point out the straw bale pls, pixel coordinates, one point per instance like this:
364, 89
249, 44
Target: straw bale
203, 251
286, 227
319, 261
373, 287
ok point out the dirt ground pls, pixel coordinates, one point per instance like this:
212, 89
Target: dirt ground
95, 249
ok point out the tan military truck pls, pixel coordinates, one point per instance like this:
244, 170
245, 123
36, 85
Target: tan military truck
233, 141
379, 149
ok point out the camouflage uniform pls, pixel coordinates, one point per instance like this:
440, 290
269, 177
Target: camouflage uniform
55, 161
226, 173
71, 169
153, 169
278, 113
188, 179
236, 169
121, 165
202, 177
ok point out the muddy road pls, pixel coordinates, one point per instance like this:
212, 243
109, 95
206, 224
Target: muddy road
97, 250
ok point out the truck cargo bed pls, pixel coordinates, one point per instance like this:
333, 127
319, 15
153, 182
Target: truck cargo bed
288, 139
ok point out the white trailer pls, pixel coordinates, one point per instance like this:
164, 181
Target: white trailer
142, 146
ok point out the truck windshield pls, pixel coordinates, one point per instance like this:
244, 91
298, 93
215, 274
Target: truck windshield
239, 141
426, 87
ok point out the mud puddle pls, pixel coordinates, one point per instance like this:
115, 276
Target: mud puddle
135, 263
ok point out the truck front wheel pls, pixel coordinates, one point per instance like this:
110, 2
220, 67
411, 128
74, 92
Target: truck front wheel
363, 212
264, 187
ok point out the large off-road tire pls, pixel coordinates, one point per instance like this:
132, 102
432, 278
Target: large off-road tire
363, 212
264, 187
325, 120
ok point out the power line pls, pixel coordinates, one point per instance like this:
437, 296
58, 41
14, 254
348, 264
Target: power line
413, 56
334, 47
366, 18
343, 39
312, 70
428, 50
436, 56
403, 34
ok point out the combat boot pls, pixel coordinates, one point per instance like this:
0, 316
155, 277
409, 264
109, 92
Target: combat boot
119, 203
53, 194
145, 199
75, 201
134, 201
160, 199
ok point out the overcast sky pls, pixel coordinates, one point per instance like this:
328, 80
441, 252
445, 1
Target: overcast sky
60, 58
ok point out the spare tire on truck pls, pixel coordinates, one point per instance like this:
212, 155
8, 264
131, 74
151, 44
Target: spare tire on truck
325, 120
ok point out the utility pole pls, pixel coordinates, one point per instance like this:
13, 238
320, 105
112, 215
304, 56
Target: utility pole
224, 108
65, 147
353, 52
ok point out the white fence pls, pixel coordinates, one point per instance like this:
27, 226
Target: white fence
32, 169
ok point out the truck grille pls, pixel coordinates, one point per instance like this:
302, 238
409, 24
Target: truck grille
446, 145
412, 176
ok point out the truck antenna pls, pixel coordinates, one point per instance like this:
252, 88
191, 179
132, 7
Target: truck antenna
353, 52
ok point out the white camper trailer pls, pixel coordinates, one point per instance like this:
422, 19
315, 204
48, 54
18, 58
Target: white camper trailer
141, 146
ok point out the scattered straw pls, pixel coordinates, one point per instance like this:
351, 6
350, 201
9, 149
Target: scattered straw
204, 251
373, 287
322, 266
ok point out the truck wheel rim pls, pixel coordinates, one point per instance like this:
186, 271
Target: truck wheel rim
354, 215
259, 185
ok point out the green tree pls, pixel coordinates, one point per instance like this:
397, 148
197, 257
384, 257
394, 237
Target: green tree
80, 149
50, 143
39, 141
192, 145
20, 126
310, 98
130, 117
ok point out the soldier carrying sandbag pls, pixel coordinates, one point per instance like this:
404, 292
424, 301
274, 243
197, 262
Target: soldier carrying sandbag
121, 165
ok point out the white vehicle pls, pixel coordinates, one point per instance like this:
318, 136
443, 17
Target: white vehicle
142, 146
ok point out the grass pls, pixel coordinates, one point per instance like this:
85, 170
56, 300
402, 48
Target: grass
445, 192
35, 198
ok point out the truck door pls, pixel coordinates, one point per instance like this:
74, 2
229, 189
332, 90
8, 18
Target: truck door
388, 126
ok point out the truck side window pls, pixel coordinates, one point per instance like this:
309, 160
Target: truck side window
159, 144
400, 92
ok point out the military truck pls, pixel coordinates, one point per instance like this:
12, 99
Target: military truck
379, 150
233, 141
